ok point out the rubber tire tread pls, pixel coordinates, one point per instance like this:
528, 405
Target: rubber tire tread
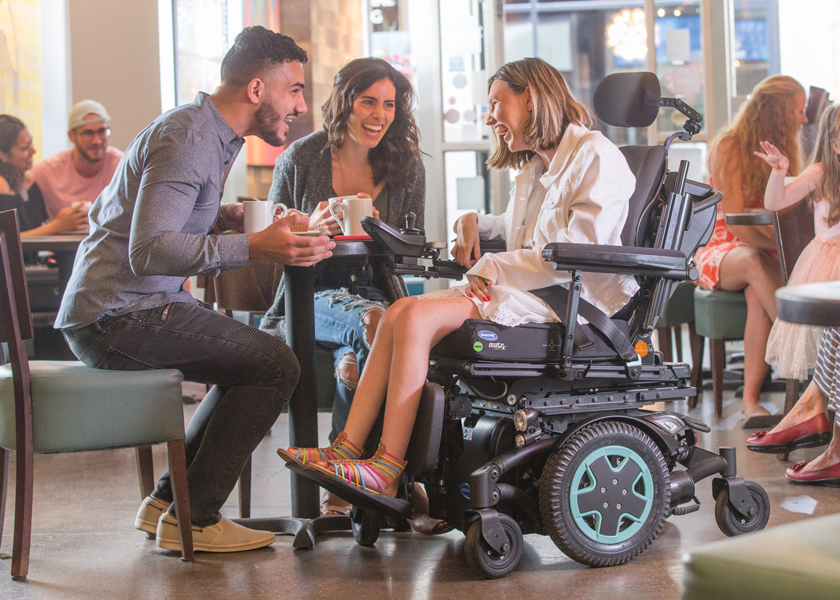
475, 546
366, 525
724, 513
557, 467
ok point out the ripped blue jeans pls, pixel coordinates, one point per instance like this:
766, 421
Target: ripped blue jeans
339, 324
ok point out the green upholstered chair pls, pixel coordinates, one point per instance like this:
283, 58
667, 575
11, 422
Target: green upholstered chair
719, 316
52, 406
680, 311
798, 560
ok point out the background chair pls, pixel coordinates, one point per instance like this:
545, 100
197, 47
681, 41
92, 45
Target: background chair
721, 315
52, 406
252, 290
794, 228
680, 311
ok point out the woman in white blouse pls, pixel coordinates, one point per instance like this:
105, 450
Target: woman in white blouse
574, 186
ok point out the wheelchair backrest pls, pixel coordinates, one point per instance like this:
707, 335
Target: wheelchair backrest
633, 100
648, 164
653, 220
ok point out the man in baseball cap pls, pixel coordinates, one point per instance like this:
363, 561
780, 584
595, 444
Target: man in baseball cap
75, 177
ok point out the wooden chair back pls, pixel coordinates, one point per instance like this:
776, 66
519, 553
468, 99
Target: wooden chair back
249, 289
15, 324
794, 231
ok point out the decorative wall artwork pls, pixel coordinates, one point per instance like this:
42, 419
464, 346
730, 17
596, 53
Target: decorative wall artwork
20, 64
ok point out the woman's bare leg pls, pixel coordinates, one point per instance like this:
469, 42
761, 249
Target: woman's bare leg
810, 404
831, 456
754, 271
418, 328
373, 384
755, 347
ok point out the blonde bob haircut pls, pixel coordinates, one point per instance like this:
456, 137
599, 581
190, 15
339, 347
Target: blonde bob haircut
769, 114
554, 108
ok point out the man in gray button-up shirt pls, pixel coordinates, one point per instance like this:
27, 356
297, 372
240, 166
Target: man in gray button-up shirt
125, 306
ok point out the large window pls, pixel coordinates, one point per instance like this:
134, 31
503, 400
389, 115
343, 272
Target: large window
463, 71
202, 38
584, 40
756, 45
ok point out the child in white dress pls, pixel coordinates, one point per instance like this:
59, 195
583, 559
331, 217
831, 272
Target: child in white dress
574, 187
793, 348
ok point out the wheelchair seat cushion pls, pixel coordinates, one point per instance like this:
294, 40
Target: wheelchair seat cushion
483, 340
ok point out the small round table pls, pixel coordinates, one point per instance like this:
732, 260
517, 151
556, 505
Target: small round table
810, 304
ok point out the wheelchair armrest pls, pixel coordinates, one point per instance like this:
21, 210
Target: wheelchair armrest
493, 246
759, 217
623, 260
393, 241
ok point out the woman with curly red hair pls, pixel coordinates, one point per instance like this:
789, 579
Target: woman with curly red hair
742, 257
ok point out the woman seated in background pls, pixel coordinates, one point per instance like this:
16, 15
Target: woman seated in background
18, 189
369, 146
742, 257
573, 186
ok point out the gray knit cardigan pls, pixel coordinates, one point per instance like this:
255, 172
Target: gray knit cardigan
303, 178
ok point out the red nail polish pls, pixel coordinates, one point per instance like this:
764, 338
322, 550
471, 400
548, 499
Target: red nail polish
471, 295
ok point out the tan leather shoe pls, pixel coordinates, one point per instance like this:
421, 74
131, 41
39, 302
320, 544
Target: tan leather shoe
224, 536
151, 509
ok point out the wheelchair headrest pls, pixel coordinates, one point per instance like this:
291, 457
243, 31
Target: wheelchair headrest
628, 99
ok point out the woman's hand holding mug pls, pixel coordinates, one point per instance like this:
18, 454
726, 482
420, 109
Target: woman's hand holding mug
352, 210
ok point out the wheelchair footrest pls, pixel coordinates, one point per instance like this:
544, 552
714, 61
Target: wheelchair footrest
390, 507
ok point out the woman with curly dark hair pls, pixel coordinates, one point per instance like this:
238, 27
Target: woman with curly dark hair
369, 146
18, 189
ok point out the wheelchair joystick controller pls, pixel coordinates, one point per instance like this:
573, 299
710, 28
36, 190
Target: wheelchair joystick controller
410, 229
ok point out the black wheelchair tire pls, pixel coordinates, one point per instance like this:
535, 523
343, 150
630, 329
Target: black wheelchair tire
555, 490
731, 522
482, 558
366, 525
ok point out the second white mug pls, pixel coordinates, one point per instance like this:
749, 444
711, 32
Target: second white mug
354, 209
259, 214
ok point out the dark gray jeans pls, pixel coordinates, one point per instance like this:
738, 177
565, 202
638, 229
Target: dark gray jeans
253, 375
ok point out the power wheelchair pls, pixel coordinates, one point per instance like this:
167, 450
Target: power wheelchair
546, 428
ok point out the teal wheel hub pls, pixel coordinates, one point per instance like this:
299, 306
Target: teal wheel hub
611, 494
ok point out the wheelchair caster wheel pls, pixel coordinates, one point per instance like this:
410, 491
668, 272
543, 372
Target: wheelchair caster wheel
733, 523
482, 557
398, 525
366, 525
605, 493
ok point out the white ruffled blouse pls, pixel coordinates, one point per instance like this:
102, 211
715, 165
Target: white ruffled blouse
581, 199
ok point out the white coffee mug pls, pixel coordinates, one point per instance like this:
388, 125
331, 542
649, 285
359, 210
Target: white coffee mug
259, 214
354, 209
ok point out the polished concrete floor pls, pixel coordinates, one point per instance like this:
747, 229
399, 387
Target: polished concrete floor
84, 546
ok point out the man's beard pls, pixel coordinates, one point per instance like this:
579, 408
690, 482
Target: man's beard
88, 157
267, 120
